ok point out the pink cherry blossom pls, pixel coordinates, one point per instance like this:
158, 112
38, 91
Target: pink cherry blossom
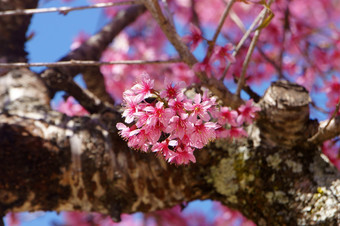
172, 119
71, 107
178, 126
144, 88
142, 118
131, 103
194, 38
183, 156
205, 66
172, 90
247, 112
138, 140
199, 108
125, 131
233, 132
178, 103
159, 114
227, 116
222, 54
163, 148
154, 132
202, 133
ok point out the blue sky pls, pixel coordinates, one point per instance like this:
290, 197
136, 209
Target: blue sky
54, 32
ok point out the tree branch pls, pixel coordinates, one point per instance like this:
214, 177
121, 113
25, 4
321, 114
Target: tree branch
246, 61
97, 86
90, 51
213, 84
244, 38
76, 163
65, 9
72, 63
251, 48
327, 129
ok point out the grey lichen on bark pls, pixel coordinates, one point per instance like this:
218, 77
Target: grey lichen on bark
275, 170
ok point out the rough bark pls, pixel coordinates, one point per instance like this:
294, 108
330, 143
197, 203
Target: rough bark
49, 161
53, 162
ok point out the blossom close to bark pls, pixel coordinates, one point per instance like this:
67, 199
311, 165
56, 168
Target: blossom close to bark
173, 125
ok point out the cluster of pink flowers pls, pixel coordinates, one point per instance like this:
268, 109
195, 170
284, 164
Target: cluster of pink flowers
71, 107
171, 124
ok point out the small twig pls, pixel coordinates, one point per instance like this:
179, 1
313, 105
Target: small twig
86, 98
243, 39
73, 63
323, 129
319, 108
249, 91
241, 81
219, 27
234, 17
334, 114
66, 9
285, 29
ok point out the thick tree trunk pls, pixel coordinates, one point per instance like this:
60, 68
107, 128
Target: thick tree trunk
53, 162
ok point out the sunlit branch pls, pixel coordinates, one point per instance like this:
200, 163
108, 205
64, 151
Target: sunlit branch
73, 63
328, 129
243, 39
219, 26
66, 9
236, 19
241, 81
86, 98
